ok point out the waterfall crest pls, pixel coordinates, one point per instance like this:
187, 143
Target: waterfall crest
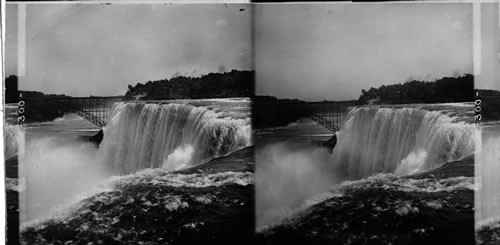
401, 141
172, 136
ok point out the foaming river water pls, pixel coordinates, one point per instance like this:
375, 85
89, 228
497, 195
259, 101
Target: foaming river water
487, 172
60, 168
397, 140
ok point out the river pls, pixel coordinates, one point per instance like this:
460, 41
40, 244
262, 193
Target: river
488, 196
146, 146
380, 172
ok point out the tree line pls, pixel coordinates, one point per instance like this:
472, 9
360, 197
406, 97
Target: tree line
268, 111
490, 104
213, 85
446, 89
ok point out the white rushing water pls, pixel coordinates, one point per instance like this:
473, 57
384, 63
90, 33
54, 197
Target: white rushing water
487, 172
399, 140
172, 136
402, 141
12, 132
60, 171
13, 136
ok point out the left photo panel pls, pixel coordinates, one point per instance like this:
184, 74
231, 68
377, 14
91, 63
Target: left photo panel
129, 124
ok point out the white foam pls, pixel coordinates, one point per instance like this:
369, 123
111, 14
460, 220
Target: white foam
106, 192
13, 138
15, 184
388, 182
180, 158
161, 177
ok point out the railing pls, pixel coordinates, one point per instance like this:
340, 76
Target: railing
329, 114
327, 122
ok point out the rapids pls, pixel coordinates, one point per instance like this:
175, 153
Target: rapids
396, 140
61, 171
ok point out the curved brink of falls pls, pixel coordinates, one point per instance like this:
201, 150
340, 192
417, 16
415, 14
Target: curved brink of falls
173, 136
372, 141
401, 141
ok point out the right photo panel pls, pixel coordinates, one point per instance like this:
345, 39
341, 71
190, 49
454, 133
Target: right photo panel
487, 107
365, 123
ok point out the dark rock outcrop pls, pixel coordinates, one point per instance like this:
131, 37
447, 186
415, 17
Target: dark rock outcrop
331, 143
96, 139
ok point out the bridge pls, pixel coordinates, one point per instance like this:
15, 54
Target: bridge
328, 114
94, 109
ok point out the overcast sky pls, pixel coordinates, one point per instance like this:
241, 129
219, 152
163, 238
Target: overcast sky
489, 77
93, 49
332, 51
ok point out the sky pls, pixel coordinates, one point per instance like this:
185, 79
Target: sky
488, 76
94, 49
326, 51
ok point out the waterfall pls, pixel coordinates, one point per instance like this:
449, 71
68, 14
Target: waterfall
372, 140
487, 170
13, 135
399, 140
172, 136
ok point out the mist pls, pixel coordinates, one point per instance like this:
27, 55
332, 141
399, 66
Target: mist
288, 174
487, 174
58, 171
